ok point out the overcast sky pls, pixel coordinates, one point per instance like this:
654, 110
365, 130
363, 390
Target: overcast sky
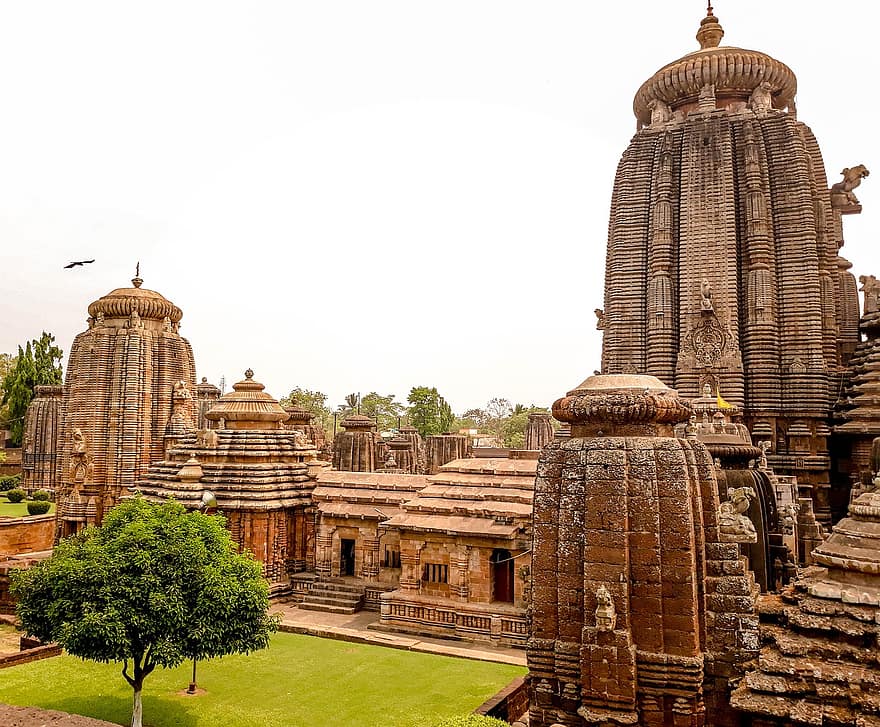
368, 195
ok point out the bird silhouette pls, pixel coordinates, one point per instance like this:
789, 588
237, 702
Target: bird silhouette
78, 262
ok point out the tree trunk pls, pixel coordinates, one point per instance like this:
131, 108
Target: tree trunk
137, 710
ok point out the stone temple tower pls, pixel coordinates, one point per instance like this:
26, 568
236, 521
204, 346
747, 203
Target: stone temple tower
722, 265
130, 377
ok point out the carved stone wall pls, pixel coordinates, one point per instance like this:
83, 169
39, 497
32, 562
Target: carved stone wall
354, 449
39, 455
722, 262
118, 399
641, 612
443, 448
539, 431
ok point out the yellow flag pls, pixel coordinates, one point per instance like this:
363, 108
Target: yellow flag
721, 403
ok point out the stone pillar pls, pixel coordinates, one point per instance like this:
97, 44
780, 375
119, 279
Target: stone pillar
539, 430
371, 561
354, 450
460, 570
324, 551
443, 448
410, 565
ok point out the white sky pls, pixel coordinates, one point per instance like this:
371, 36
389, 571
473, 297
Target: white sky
357, 196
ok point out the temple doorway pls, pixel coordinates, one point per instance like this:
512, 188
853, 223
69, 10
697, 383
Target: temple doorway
346, 558
502, 575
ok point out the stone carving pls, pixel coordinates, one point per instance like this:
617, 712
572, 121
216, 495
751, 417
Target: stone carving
852, 178
707, 341
660, 112
789, 513
706, 296
734, 525
134, 320
80, 469
166, 324
706, 101
600, 319
691, 428
871, 290
390, 462
765, 447
206, 438
301, 440
99, 318
606, 616
761, 100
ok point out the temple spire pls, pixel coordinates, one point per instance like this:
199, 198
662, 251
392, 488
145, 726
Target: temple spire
137, 281
710, 33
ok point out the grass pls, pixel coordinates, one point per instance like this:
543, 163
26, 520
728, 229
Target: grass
17, 509
300, 681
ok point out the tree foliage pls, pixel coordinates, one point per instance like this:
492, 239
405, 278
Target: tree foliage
153, 586
384, 409
313, 401
428, 411
37, 364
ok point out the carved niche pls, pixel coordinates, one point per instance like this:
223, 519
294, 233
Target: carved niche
707, 342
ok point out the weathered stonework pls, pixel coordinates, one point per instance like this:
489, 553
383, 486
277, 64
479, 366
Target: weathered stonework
354, 449
464, 560
624, 508
260, 474
820, 659
539, 431
39, 455
443, 448
118, 400
206, 396
722, 263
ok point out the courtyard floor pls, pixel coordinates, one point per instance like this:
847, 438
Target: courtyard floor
300, 681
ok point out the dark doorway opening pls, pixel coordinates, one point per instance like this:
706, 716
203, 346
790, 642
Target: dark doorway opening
346, 558
502, 575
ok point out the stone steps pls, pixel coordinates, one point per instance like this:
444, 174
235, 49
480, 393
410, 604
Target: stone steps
333, 596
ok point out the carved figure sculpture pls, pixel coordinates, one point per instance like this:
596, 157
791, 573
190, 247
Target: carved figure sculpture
600, 319
206, 438
765, 447
871, 290
134, 320
761, 100
99, 318
80, 468
691, 428
606, 616
852, 178
734, 525
390, 462
301, 439
660, 112
166, 324
707, 98
706, 295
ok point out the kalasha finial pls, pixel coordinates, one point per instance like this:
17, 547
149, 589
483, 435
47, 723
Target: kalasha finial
710, 33
136, 280
249, 374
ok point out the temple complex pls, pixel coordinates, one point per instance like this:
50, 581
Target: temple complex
443, 448
723, 263
129, 387
303, 420
257, 473
206, 396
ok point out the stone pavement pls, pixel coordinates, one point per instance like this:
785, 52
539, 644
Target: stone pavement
356, 628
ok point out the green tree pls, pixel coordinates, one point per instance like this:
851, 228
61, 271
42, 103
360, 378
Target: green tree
154, 585
428, 411
383, 409
313, 401
38, 363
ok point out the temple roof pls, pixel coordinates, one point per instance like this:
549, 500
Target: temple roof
734, 72
149, 304
247, 406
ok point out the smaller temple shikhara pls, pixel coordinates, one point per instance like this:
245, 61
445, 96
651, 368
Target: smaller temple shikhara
697, 545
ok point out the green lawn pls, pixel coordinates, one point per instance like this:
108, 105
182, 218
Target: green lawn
17, 509
300, 681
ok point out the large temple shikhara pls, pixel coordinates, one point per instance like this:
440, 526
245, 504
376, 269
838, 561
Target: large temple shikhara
699, 544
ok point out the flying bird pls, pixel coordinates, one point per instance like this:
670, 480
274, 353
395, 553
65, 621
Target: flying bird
78, 262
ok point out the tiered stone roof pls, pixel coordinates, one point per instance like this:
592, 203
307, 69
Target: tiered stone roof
477, 497
820, 662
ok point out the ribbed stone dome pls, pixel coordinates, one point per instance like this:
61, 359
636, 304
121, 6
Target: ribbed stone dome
149, 304
247, 406
734, 72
